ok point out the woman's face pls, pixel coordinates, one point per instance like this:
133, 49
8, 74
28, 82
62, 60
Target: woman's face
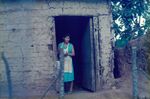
67, 39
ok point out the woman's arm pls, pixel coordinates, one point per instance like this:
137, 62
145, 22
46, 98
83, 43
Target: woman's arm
60, 50
73, 52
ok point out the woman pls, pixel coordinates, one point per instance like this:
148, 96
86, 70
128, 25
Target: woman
68, 51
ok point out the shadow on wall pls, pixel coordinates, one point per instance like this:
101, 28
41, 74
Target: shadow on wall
8, 75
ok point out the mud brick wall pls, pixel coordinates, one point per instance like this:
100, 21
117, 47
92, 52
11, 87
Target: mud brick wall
24, 39
26, 30
106, 51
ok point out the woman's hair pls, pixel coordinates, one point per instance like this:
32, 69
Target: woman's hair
66, 35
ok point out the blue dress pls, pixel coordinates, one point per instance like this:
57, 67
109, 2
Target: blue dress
68, 64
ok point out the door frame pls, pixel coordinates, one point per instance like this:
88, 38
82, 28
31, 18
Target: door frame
92, 40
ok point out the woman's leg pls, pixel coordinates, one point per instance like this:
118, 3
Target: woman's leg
71, 86
65, 86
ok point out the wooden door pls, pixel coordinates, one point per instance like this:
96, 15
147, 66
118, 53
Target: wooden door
88, 81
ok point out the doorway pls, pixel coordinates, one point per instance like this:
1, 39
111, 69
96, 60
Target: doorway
79, 29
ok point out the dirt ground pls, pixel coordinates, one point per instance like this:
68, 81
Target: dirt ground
123, 90
88, 95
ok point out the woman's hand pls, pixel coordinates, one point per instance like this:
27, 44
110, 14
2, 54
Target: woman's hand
66, 54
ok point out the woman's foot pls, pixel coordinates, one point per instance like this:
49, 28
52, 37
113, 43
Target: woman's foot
68, 92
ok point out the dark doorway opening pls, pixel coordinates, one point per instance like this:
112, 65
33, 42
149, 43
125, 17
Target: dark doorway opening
79, 30
117, 64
